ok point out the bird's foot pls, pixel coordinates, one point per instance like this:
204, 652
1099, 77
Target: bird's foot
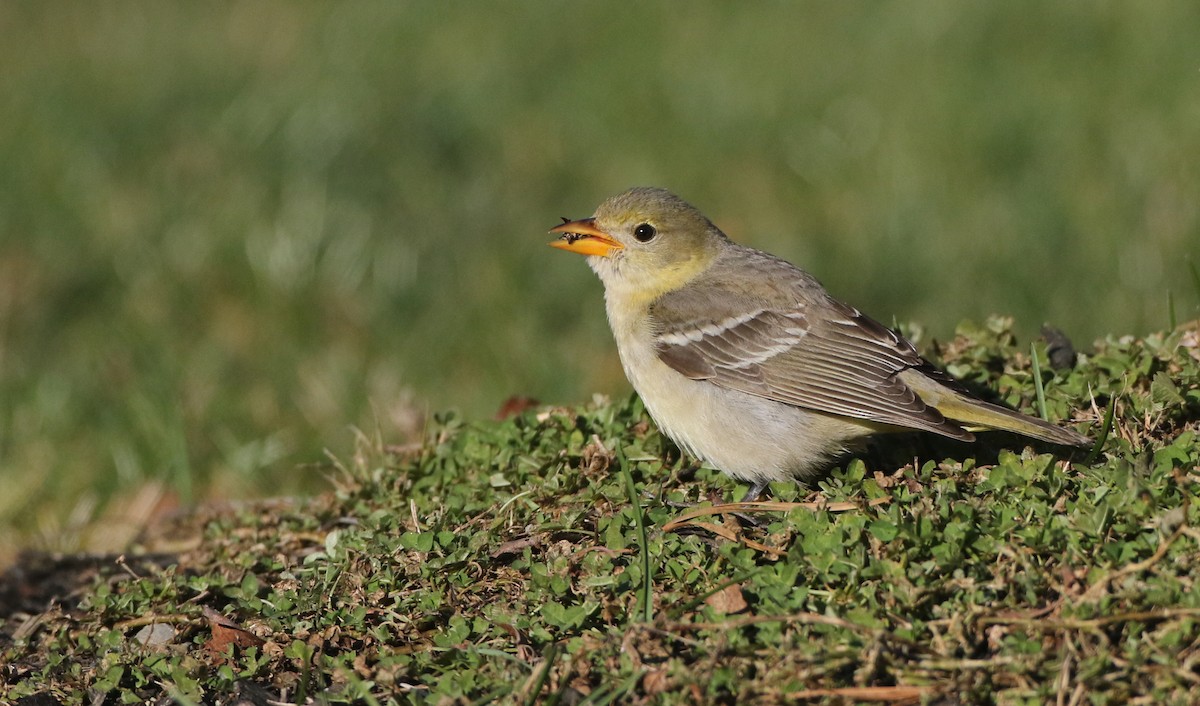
755, 491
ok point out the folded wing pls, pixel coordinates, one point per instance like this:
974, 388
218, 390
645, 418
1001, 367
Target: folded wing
841, 362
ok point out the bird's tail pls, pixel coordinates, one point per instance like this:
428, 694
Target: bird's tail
975, 415
941, 392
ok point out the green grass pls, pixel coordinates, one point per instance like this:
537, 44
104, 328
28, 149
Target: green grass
545, 559
229, 234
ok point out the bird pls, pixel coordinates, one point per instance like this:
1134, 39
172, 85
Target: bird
747, 363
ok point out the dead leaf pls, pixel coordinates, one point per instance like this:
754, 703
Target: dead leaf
226, 632
656, 681
728, 600
155, 634
515, 546
892, 694
515, 405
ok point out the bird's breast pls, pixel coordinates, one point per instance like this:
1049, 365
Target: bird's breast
745, 436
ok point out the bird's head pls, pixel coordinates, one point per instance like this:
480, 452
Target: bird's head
646, 241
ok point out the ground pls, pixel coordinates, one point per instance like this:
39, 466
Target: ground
572, 556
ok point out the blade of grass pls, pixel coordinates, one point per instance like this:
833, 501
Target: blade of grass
646, 593
1104, 431
492, 696
619, 692
501, 654
1170, 311
543, 677
1037, 382
1195, 276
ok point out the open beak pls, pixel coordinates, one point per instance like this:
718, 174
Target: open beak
585, 238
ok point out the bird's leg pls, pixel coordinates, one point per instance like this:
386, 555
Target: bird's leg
755, 490
750, 496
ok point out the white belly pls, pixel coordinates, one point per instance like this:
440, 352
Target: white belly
748, 437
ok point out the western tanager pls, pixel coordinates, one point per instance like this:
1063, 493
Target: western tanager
747, 362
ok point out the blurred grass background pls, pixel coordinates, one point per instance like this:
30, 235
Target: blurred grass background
229, 234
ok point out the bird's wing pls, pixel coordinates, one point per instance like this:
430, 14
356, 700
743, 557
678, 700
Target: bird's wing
810, 351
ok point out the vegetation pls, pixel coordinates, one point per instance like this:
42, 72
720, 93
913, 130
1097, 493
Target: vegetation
227, 234
551, 558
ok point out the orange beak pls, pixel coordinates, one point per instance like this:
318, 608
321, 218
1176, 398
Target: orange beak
585, 238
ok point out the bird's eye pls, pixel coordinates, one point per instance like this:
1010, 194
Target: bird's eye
644, 233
